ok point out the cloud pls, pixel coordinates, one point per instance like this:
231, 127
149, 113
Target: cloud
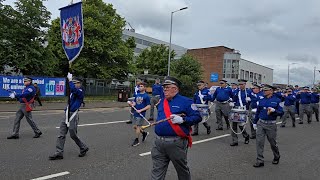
303, 58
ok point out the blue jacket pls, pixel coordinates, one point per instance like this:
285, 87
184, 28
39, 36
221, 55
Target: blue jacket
255, 97
76, 97
141, 100
305, 97
179, 104
157, 89
290, 100
262, 109
28, 92
222, 94
205, 93
244, 94
314, 97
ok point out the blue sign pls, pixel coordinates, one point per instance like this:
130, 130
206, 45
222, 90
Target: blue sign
48, 86
71, 22
214, 77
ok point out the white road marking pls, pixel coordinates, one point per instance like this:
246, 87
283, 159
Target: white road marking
52, 176
196, 142
105, 123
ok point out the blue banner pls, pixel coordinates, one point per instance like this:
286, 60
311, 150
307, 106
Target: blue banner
48, 86
214, 77
71, 23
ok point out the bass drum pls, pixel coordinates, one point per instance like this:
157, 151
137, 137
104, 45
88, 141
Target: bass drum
204, 111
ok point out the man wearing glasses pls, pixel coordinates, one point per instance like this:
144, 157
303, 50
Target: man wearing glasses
26, 100
265, 124
223, 95
201, 96
173, 136
289, 107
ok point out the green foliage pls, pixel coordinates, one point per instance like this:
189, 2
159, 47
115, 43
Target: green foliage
188, 71
105, 55
22, 37
155, 59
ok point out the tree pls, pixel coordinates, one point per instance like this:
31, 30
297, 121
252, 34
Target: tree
104, 55
188, 71
23, 31
155, 59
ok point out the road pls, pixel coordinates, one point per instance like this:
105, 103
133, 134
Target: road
112, 157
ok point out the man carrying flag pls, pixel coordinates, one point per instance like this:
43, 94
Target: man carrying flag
173, 136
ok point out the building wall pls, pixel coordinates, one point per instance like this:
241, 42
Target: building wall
144, 42
211, 60
254, 68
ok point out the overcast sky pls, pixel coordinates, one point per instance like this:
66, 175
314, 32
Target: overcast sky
273, 33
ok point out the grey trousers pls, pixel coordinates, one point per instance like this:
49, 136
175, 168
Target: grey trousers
305, 108
19, 115
73, 134
153, 102
235, 128
252, 116
165, 151
196, 127
315, 109
222, 109
269, 130
288, 110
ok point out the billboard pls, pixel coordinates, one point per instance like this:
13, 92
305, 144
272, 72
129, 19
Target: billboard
49, 87
214, 77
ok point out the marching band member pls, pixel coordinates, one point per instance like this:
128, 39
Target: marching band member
201, 96
234, 87
142, 104
156, 93
315, 103
223, 95
295, 92
305, 100
255, 96
242, 100
26, 100
76, 99
136, 91
289, 107
265, 123
173, 136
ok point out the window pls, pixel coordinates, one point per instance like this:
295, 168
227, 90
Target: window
259, 78
246, 77
138, 41
230, 68
242, 74
251, 76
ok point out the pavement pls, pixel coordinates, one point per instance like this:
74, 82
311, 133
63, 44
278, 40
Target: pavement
111, 155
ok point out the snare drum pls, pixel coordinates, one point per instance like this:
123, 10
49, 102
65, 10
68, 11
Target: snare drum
204, 111
238, 115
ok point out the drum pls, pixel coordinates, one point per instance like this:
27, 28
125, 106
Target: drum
204, 111
131, 99
238, 115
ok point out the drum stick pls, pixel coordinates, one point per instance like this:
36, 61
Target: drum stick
160, 121
129, 102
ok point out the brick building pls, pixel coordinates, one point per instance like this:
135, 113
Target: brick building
225, 63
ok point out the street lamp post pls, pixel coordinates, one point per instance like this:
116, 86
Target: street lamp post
169, 59
289, 72
314, 75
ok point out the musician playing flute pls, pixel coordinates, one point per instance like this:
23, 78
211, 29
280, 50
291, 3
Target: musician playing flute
173, 136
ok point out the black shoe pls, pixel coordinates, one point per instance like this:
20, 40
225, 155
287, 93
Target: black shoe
252, 137
309, 122
300, 123
55, 157
246, 140
144, 136
293, 125
150, 119
317, 120
84, 152
219, 128
129, 122
234, 144
276, 161
209, 130
256, 165
13, 137
194, 134
283, 126
37, 135
228, 126
135, 142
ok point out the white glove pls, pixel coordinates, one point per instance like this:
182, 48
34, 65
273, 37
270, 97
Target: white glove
69, 76
12, 95
230, 99
254, 110
271, 109
254, 126
248, 99
231, 104
175, 119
